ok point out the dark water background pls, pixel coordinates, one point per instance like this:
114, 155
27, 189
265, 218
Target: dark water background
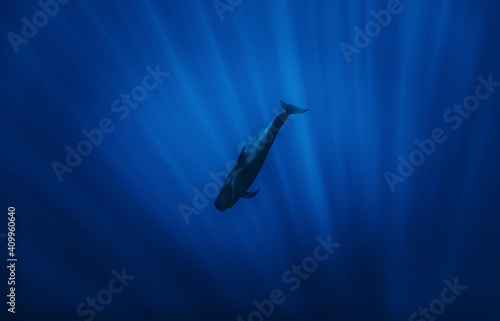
129, 203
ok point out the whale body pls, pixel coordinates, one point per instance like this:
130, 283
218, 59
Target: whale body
250, 162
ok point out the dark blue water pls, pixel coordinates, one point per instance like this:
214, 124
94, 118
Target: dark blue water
120, 118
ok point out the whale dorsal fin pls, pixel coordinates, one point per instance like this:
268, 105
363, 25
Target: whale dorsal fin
250, 195
242, 155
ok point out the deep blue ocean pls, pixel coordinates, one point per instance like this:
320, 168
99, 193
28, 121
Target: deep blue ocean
121, 120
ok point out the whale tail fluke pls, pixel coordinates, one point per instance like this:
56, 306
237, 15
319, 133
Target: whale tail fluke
291, 109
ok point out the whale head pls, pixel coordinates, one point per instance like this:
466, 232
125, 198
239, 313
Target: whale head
226, 197
224, 200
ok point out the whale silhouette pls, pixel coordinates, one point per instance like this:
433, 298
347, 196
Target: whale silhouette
250, 162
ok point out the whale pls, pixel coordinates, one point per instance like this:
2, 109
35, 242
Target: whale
250, 162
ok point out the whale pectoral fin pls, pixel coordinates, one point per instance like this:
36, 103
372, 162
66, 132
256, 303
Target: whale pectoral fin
250, 195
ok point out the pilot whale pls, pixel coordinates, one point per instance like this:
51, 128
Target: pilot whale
250, 162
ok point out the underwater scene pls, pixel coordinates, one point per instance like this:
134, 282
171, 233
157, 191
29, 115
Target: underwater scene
250, 160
